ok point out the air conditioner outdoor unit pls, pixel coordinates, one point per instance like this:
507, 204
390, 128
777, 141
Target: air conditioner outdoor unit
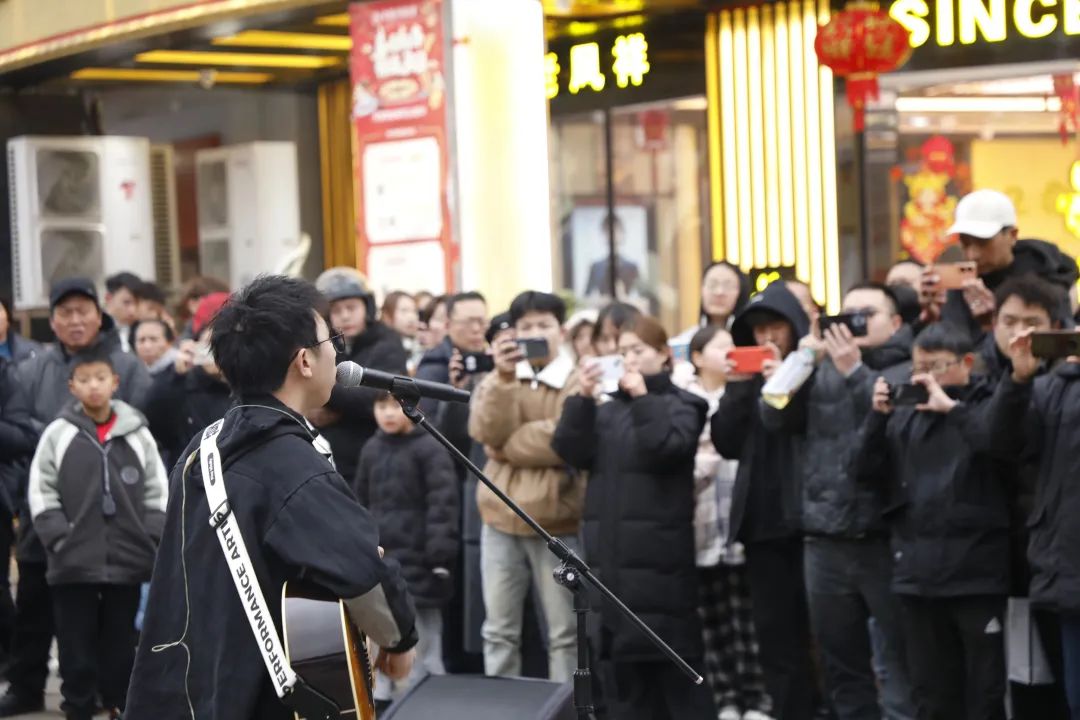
80, 206
249, 209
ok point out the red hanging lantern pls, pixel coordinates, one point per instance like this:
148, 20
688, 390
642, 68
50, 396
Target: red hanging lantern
858, 43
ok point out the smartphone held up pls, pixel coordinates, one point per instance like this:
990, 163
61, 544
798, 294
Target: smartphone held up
612, 370
1055, 344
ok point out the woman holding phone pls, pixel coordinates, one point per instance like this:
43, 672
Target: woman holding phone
639, 450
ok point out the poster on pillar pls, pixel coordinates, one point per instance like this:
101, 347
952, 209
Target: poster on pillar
399, 112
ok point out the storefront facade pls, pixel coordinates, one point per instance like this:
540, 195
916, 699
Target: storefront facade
987, 100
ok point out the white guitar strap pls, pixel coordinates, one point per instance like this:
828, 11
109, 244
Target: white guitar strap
243, 574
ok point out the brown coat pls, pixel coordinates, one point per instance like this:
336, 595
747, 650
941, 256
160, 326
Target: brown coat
518, 418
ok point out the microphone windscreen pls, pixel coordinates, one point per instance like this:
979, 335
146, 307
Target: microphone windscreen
349, 374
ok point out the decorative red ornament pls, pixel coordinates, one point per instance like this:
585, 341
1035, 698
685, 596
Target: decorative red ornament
858, 43
938, 155
1068, 92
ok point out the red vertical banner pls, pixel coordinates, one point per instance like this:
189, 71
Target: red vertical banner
401, 165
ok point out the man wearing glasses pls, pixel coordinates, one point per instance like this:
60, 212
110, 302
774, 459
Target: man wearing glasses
299, 519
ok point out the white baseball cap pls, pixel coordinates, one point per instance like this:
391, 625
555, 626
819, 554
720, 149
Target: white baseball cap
983, 214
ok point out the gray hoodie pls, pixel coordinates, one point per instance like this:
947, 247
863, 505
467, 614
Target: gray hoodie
98, 508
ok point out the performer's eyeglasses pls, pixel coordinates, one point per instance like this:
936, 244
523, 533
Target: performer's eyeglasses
338, 341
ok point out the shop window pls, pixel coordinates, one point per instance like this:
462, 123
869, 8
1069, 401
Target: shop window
940, 134
630, 194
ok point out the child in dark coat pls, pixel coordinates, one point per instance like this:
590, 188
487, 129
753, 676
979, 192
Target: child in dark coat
407, 481
97, 495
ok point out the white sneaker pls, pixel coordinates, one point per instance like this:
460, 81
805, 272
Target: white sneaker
729, 713
755, 715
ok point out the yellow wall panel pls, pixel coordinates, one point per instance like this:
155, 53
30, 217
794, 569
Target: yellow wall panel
775, 144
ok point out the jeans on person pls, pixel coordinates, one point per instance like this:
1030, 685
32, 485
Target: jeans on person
1070, 646
429, 651
847, 583
508, 564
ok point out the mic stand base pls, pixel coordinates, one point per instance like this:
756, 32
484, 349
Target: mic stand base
571, 571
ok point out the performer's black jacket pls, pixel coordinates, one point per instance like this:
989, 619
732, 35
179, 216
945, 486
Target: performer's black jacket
197, 655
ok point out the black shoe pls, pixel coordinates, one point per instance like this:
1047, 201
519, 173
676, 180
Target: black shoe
381, 706
14, 704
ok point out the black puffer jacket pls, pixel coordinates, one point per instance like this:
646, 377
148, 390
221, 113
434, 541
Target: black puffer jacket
829, 416
379, 348
1030, 257
409, 484
179, 407
18, 439
1044, 418
949, 492
765, 500
639, 509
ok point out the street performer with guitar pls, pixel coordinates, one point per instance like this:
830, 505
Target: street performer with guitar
255, 506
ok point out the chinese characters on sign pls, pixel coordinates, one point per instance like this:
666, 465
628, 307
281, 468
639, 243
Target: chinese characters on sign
629, 65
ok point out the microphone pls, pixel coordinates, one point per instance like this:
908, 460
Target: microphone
349, 374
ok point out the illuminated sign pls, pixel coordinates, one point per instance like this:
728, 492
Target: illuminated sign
985, 21
631, 53
585, 68
1068, 203
629, 65
551, 75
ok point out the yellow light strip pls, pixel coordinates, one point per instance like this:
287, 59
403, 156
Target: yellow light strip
716, 173
729, 137
785, 197
336, 20
833, 295
195, 14
756, 138
798, 143
274, 39
742, 133
772, 164
189, 76
813, 151
192, 57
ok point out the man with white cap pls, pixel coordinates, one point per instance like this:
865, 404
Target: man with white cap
986, 226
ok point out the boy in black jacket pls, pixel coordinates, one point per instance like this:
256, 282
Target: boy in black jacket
97, 497
408, 482
948, 509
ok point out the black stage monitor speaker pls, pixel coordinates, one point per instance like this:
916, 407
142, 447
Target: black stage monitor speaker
476, 697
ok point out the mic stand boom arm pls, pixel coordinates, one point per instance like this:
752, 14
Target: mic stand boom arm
571, 571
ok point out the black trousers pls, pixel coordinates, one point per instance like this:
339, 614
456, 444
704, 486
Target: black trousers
7, 603
655, 690
956, 656
1043, 702
95, 630
33, 634
774, 571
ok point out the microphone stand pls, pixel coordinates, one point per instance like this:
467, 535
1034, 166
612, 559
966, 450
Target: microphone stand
570, 573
